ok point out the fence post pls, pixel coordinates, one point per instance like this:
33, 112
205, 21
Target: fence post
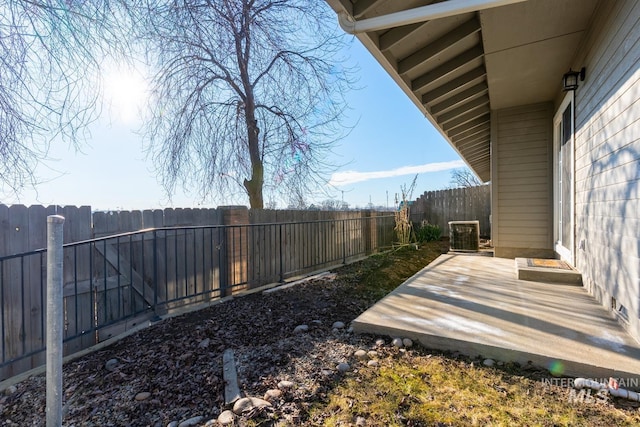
156, 317
281, 254
344, 241
55, 224
237, 254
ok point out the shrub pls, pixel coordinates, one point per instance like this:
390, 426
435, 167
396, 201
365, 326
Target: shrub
428, 232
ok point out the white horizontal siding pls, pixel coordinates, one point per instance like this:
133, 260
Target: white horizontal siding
624, 167
608, 157
621, 125
523, 200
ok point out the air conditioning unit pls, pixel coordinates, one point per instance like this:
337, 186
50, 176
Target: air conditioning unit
464, 236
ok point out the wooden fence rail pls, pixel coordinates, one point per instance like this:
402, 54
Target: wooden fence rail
458, 204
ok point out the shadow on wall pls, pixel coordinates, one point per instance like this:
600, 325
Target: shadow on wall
608, 201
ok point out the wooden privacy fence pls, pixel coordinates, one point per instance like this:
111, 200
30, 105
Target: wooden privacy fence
458, 204
116, 277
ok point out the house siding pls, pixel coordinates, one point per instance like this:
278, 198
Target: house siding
522, 203
608, 160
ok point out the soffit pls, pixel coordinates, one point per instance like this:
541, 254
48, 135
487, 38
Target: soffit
457, 69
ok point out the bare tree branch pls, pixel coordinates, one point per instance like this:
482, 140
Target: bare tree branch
462, 178
248, 95
51, 53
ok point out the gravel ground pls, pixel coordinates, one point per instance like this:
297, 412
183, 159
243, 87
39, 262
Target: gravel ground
172, 371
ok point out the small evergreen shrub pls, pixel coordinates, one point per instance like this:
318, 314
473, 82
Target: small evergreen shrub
428, 232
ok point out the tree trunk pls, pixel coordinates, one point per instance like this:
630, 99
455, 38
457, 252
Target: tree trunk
254, 188
255, 184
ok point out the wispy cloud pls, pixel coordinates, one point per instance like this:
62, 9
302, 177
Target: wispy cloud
351, 177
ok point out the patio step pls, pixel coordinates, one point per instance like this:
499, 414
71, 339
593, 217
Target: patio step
548, 271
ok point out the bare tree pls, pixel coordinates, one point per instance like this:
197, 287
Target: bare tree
247, 95
50, 56
334, 205
462, 178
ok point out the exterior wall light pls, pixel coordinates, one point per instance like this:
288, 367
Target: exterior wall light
570, 79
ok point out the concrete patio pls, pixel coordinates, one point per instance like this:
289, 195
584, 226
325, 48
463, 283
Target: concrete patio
475, 305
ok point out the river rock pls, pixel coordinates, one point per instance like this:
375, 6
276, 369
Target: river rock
372, 363
285, 385
111, 365
301, 329
143, 396
361, 355
193, 421
227, 418
343, 367
248, 403
407, 342
397, 342
272, 394
489, 362
338, 325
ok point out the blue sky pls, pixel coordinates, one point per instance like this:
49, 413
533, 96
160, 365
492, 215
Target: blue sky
390, 143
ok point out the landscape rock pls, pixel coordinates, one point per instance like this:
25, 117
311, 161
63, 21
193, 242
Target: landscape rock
343, 367
380, 342
111, 365
326, 372
372, 354
142, 396
361, 355
285, 385
407, 342
248, 403
489, 362
338, 325
204, 343
173, 424
397, 342
301, 329
372, 363
10, 390
227, 418
361, 422
272, 394
193, 421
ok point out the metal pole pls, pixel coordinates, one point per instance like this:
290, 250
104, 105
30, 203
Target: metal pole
344, 241
281, 256
55, 225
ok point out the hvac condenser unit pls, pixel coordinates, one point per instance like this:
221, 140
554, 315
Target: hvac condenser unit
464, 235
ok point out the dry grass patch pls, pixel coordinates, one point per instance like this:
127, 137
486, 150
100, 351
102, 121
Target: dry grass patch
415, 388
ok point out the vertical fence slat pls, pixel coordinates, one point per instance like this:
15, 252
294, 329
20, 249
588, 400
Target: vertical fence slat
459, 204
